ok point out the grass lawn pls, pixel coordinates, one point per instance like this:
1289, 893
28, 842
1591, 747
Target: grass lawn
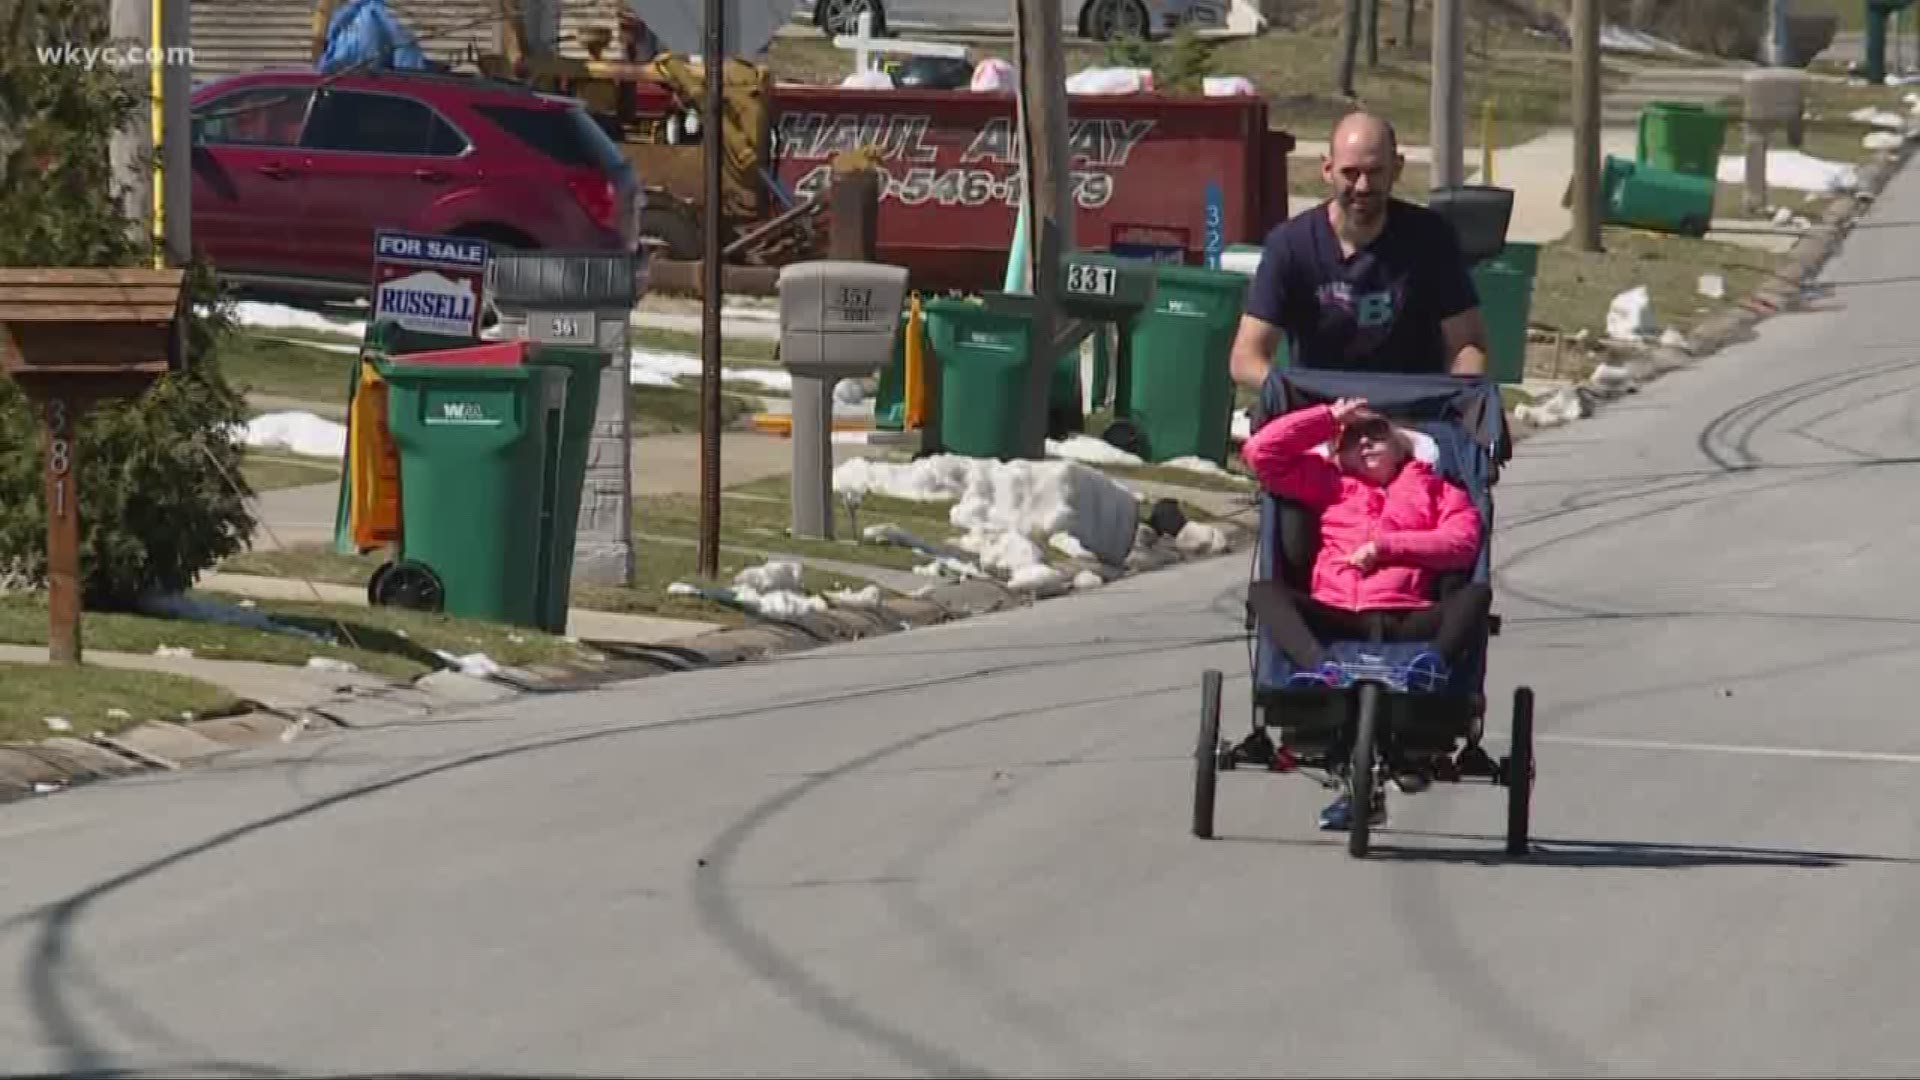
1524, 79
1575, 288
267, 470
384, 641
737, 352
657, 565
757, 515
99, 699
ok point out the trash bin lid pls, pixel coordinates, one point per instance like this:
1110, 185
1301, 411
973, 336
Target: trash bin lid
491, 354
1480, 215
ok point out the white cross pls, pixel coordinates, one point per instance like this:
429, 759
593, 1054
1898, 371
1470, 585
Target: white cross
865, 45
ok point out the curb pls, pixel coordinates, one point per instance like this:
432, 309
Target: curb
1783, 291
56, 764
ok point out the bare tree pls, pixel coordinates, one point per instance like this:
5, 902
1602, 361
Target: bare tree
1373, 33
1406, 30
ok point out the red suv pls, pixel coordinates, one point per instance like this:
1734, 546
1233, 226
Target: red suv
293, 172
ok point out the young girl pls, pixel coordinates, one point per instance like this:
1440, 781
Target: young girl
1389, 524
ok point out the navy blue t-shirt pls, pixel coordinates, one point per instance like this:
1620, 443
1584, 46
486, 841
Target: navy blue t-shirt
1378, 311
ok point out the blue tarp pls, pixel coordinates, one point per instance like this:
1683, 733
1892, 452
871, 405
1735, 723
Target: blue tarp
365, 35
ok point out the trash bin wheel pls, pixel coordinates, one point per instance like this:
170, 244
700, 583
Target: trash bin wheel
409, 585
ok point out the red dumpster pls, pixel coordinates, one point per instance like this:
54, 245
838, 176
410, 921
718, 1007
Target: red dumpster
1141, 165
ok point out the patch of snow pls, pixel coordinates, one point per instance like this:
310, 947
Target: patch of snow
1065, 544
1713, 286
1673, 339
328, 663
1004, 552
173, 652
296, 432
269, 316
1192, 463
476, 665
1885, 118
774, 589
1794, 170
1029, 498
681, 588
865, 598
1199, 538
1881, 140
1041, 580
1623, 39
1087, 579
774, 574
1630, 316
1092, 451
57, 723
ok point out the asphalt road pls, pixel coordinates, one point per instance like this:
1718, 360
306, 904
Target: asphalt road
832, 864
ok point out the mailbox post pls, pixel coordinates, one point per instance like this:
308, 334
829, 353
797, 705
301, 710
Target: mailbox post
837, 321
70, 338
587, 300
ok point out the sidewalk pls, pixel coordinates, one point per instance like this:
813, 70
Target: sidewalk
277, 686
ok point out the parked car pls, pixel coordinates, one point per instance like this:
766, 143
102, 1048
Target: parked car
293, 173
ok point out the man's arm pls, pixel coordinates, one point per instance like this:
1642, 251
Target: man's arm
1464, 338
1463, 332
1262, 317
1253, 350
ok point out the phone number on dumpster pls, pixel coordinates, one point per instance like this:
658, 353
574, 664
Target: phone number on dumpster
961, 187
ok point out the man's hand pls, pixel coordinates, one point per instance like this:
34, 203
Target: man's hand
1364, 558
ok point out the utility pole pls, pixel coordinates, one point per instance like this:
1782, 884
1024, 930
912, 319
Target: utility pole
130, 24
1045, 182
1349, 47
1407, 43
1586, 125
1446, 99
713, 134
176, 132
1777, 33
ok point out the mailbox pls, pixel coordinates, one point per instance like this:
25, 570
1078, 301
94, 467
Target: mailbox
838, 318
1777, 98
88, 333
584, 300
1094, 285
71, 337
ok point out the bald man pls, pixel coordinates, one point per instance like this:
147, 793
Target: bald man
1364, 281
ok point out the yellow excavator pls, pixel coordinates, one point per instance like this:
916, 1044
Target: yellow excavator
654, 109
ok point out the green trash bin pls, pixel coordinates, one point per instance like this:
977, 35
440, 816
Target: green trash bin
583, 367
1681, 136
479, 449
983, 355
1662, 199
1505, 285
1181, 393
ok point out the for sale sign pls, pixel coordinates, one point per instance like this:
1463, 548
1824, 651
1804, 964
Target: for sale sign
430, 284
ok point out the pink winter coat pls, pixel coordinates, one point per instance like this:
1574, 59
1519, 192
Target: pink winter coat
1420, 524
